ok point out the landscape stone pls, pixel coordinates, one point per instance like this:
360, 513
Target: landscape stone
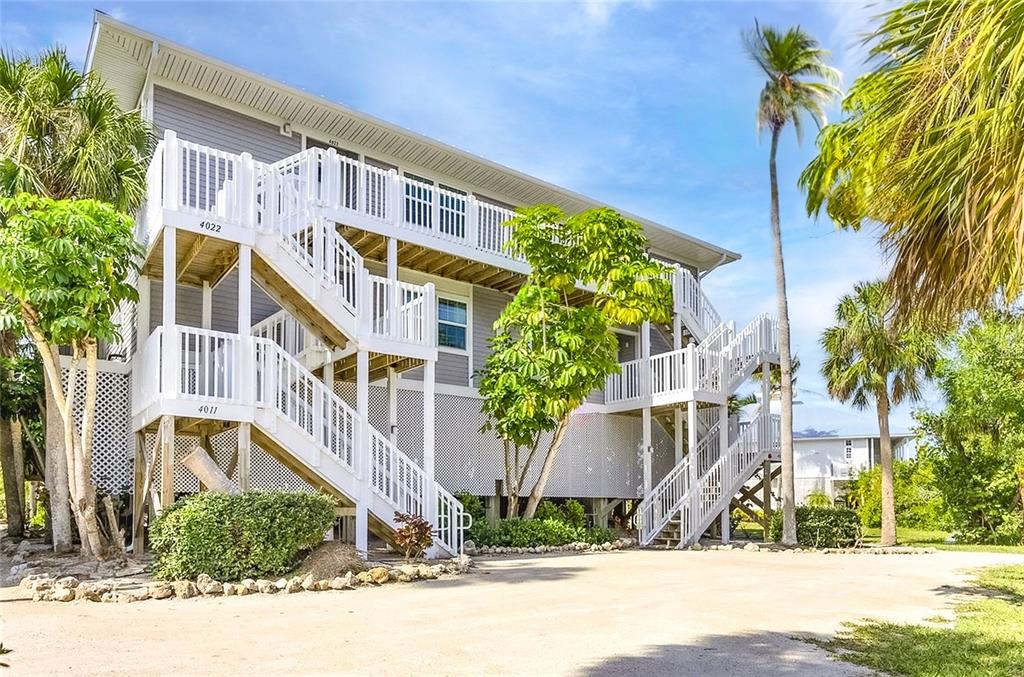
184, 589
379, 575
160, 590
266, 587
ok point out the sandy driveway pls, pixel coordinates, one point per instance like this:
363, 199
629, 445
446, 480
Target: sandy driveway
621, 613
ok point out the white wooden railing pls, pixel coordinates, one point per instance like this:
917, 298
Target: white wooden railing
286, 331
697, 497
147, 371
691, 300
283, 384
235, 189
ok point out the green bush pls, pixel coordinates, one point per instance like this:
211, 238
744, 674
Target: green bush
520, 533
233, 537
918, 501
473, 506
571, 512
821, 527
818, 499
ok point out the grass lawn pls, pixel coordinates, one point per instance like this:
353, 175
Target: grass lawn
987, 637
937, 540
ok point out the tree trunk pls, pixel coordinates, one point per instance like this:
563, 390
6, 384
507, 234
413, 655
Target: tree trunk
86, 498
13, 494
888, 489
545, 471
785, 358
208, 472
55, 476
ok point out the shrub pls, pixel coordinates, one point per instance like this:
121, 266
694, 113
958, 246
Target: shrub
233, 537
918, 501
473, 506
547, 510
821, 527
520, 533
414, 536
574, 514
818, 499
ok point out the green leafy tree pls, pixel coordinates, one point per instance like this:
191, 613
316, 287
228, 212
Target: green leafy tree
66, 265
798, 83
869, 359
977, 440
931, 149
21, 394
919, 503
62, 135
552, 346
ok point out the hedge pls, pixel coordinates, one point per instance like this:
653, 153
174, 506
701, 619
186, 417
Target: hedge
229, 537
520, 533
821, 527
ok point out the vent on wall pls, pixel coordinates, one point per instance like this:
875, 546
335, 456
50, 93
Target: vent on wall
286, 129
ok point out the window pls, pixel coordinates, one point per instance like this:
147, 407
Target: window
848, 450
452, 317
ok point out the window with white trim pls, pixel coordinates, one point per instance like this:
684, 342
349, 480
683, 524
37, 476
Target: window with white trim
452, 323
848, 450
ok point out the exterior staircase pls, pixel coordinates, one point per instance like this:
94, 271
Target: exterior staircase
266, 378
701, 486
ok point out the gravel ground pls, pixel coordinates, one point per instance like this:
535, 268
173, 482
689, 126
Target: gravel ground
618, 613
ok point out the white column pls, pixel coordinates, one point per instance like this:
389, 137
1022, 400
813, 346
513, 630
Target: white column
728, 472
691, 444
645, 444
645, 355
680, 441
395, 302
206, 321
142, 312
677, 331
170, 341
428, 439
246, 364
244, 465
393, 405
363, 447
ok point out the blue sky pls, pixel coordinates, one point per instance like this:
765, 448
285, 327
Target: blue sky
648, 106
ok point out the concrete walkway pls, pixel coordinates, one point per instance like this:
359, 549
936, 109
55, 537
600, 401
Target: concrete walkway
619, 613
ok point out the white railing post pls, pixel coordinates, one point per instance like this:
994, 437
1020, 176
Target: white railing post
246, 180
329, 179
472, 230
172, 170
362, 178
429, 314
397, 199
435, 209
365, 306
691, 367
319, 231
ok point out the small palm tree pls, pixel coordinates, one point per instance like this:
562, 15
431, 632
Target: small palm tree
799, 83
868, 357
63, 135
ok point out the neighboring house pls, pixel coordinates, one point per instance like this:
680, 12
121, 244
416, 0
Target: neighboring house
317, 296
827, 463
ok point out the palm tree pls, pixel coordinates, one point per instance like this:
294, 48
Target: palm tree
869, 357
931, 150
63, 135
798, 82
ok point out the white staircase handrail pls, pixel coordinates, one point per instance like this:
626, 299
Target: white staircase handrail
691, 300
718, 478
286, 386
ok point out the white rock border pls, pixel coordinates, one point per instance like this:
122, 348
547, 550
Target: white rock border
581, 547
45, 588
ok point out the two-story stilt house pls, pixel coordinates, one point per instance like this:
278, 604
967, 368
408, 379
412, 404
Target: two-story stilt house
317, 295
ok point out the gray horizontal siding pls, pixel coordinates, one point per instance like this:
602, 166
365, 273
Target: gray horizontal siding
451, 369
204, 123
487, 307
224, 305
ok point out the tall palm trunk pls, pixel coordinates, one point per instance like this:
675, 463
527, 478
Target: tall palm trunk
785, 359
888, 488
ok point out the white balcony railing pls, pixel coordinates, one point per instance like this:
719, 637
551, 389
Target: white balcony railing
235, 189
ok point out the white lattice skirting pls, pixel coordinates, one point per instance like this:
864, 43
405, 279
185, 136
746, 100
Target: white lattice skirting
600, 456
